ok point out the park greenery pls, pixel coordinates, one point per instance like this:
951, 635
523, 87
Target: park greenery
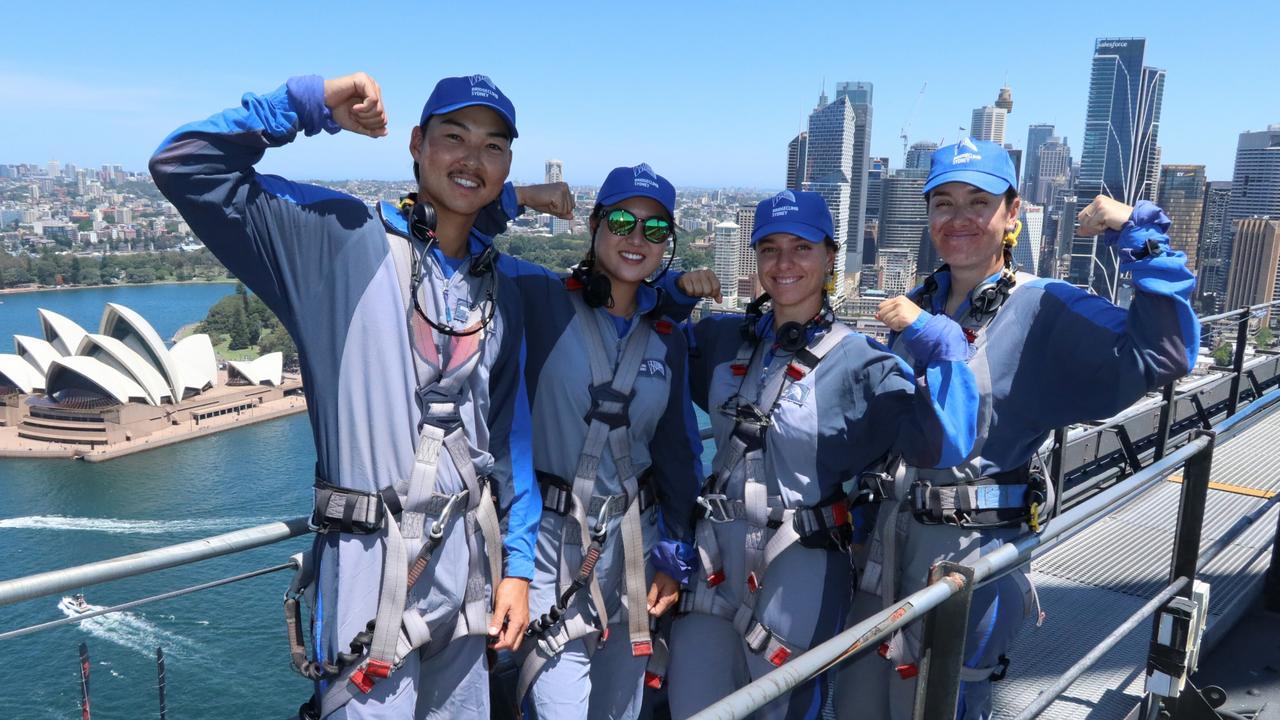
242, 322
51, 269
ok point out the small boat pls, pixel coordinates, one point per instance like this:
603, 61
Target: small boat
75, 604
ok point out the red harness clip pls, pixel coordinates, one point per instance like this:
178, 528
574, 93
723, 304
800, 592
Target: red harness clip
795, 371
753, 584
663, 327
715, 578
906, 672
779, 656
641, 649
738, 369
652, 680
365, 677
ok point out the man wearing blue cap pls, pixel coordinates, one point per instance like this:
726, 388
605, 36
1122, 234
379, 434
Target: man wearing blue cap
798, 403
1045, 354
411, 350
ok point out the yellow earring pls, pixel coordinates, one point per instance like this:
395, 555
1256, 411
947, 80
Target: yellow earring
1011, 237
829, 287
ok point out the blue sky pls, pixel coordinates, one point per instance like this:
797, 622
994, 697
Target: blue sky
708, 93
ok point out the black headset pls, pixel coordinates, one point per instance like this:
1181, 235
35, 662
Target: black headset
422, 224
790, 337
984, 301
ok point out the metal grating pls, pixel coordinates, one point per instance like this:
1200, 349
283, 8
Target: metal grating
1093, 581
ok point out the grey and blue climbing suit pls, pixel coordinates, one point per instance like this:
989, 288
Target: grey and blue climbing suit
790, 429
1050, 355
415, 430
616, 451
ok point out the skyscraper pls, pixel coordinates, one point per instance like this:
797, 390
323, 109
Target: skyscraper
1122, 125
1037, 135
1211, 272
746, 222
1053, 169
797, 160
859, 95
725, 261
920, 156
830, 166
904, 218
1254, 257
988, 124
1182, 197
877, 168
1027, 252
1255, 188
554, 172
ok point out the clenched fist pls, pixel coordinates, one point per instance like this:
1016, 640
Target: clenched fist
898, 312
1103, 214
356, 104
551, 198
700, 284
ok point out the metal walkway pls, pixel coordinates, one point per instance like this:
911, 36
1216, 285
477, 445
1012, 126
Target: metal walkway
1105, 573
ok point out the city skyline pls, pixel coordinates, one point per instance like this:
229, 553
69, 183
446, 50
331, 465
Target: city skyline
726, 100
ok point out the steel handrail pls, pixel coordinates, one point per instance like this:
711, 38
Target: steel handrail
60, 581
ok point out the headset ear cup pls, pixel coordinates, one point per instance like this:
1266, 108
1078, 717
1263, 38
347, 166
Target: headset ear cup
791, 337
422, 221
597, 291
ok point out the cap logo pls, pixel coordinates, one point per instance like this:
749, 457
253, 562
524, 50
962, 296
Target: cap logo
640, 172
784, 203
965, 152
784, 195
482, 86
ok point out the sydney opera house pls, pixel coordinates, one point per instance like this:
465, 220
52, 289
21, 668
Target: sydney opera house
120, 384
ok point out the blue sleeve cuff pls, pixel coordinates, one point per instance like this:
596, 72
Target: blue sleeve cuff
674, 558
935, 338
510, 205
306, 96
519, 567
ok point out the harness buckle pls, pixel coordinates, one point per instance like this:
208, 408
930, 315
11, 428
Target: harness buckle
998, 675
715, 507
437, 528
601, 527
872, 487
604, 393
439, 410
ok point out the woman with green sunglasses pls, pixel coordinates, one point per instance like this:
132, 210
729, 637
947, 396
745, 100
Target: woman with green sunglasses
616, 452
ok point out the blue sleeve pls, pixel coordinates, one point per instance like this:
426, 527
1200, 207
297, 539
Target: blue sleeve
278, 237
1087, 358
676, 449
713, 340
493, 218
674, 303
931, 420
509, 419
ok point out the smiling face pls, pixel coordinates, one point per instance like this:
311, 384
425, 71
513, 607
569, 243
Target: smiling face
968, 226
793, 270
629, 258
463, 159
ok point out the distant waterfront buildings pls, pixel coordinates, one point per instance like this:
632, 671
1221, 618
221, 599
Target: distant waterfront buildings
1053, 170
554, 172
1122, 125
1255, 255
920, 156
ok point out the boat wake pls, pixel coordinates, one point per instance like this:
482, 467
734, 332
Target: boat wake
130, 527
128, 630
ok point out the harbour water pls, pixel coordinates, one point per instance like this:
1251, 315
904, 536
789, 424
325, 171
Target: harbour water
225, 651
225, 648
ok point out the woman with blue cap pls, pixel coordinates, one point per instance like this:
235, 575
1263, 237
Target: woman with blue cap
1045, 354
798, 403
615, 448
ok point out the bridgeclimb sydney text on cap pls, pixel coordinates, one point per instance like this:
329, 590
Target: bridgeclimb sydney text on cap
455, 93
804, 214
984, 165
638, 181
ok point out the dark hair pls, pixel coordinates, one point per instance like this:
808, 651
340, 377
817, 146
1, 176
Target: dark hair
1009, 195
423, 127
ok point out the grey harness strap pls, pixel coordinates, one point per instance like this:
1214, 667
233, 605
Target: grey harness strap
608, 423
745, 453
397, 630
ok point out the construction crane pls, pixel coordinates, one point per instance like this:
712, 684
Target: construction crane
910, 118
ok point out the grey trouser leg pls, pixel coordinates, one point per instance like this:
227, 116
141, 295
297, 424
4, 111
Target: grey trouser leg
607, 686
454, 683
707, 663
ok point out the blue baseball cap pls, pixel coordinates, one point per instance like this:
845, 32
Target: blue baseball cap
804, 214
638, 181
984, 165
455, 93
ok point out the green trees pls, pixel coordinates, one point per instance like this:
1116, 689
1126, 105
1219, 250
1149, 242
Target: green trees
1264, 338
47, 267
1224, 354
245, 322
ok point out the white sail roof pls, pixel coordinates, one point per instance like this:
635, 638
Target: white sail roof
16, 371
197, 365
62, 332
120, 357
137, 334
40, 354
73, 370
266, 370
